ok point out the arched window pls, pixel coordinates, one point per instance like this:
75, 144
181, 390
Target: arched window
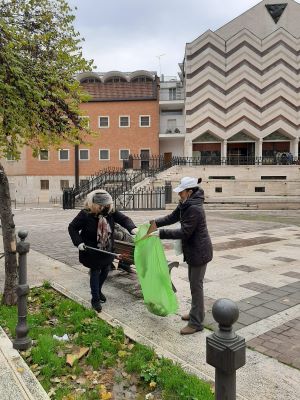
90, 80
141, 79
115, 79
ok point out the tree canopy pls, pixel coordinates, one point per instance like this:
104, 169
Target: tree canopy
40, 55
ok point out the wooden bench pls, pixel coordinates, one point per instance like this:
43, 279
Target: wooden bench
127, 251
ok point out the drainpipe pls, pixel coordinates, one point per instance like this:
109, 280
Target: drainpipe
76, 166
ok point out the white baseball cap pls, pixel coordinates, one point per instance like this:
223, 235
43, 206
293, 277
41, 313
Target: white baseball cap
186, 183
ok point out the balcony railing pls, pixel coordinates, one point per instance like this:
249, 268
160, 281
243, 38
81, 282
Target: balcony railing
166, 96
179, 130
160, 163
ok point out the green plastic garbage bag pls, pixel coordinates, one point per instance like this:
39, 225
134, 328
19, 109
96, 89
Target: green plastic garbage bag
153, 273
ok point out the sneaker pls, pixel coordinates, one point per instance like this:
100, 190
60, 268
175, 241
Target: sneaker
102, 298
185, 317
189, 330
97, 306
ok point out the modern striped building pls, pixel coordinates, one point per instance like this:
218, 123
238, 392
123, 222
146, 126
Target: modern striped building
242, 85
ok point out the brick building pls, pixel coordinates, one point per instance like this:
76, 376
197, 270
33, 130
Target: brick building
123, 112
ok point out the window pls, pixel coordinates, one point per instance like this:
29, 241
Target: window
124, 154
116, 79
83, 182
221, 177
44, 155
104, 154
64, 184
281, 177
124, 121
218, 189
172, 94
44, 184
171, 112
144, 120
10, 157
90, 80
171, 124
64, 154
260, 189
84, 154
142, 79
103, 122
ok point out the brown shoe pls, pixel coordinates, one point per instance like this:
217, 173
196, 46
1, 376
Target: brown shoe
189, 330
185, 317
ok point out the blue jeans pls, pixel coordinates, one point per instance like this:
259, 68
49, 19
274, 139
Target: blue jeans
97, 278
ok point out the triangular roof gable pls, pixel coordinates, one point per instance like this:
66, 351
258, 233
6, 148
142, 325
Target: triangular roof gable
258, 20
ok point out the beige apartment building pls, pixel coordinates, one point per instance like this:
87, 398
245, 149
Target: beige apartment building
242, 86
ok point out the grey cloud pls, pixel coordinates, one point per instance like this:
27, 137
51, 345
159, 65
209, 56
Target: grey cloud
130, 34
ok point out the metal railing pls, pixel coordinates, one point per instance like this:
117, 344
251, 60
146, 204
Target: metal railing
140, 199
137, 162
120, 181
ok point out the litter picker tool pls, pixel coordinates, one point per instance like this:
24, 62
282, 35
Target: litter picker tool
103, 251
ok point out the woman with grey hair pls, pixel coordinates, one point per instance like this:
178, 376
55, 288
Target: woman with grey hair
94, 227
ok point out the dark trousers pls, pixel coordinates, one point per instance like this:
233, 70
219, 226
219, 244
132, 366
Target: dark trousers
97, 278
197, 312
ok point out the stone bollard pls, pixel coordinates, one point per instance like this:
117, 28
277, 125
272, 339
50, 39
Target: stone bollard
22, 341
225, 350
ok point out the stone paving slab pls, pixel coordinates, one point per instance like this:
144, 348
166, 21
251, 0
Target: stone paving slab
281, 343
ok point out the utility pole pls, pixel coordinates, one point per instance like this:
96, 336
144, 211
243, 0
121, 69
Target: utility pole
159, 57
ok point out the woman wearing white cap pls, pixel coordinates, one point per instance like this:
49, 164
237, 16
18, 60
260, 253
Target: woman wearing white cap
196, 244
94, 227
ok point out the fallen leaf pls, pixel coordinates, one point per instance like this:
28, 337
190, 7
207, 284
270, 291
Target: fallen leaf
81, 380
76, 355
122, 353
21, 370
105, 396
51, 392
152, 384
55, 380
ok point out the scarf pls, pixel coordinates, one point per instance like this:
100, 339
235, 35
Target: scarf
104, 234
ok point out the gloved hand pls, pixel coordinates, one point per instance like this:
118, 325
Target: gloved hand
134, 231
81, 247
155, 233
152, 227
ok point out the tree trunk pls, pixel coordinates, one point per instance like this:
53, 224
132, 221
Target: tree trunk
9, 242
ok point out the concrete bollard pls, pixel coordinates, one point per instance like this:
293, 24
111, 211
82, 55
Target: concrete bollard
22, 341
225, 350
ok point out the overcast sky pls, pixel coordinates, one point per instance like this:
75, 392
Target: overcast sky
127, 35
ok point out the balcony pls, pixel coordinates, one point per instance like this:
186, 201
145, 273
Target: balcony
178, 131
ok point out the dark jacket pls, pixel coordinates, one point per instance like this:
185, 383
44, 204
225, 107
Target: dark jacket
83, 229
196, 243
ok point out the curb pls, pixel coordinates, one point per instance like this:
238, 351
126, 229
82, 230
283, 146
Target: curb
21, 374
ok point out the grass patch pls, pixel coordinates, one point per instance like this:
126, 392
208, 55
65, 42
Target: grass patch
112, 365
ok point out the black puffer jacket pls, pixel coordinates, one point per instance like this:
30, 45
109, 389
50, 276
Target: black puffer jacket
196, 243
83, 229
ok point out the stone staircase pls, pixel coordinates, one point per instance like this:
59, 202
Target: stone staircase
238, 185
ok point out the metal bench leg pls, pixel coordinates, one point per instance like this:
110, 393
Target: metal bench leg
174, 264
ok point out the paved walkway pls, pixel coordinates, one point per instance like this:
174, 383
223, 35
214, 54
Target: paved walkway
256, 264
